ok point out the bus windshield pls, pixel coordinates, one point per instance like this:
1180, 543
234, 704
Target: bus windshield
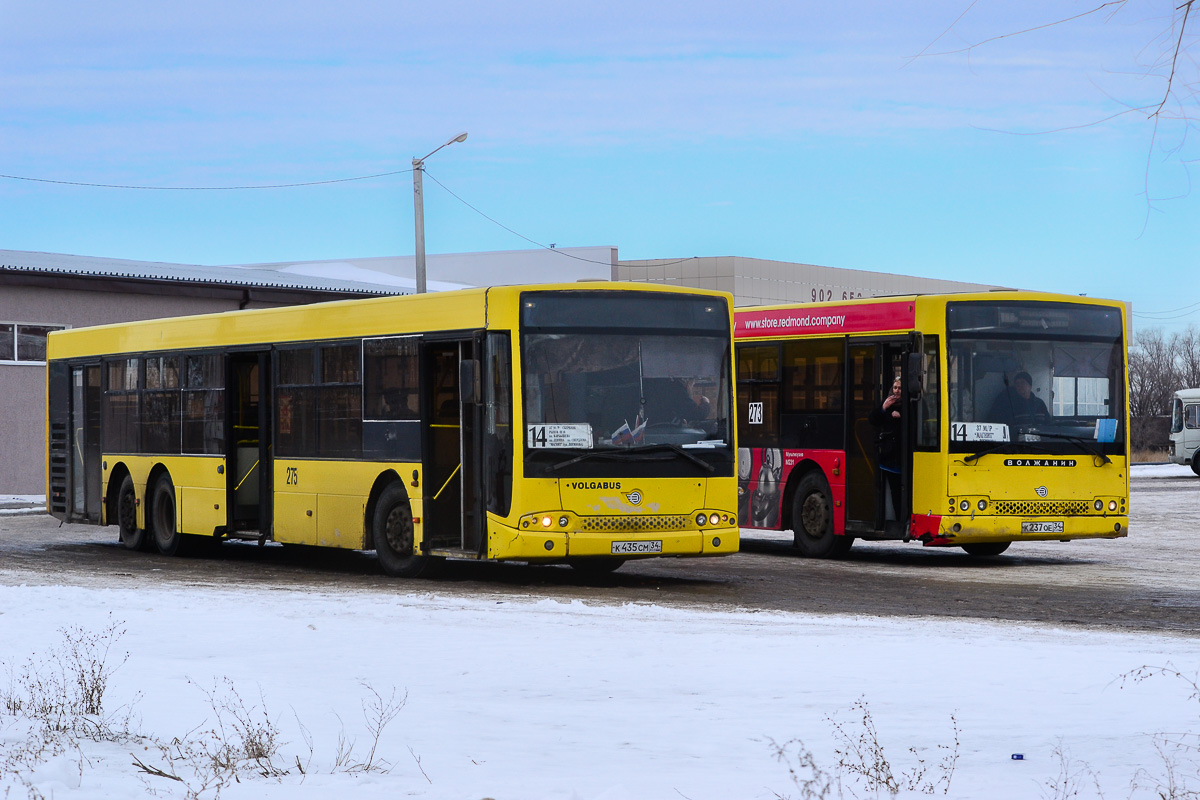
605, 377
1036, 376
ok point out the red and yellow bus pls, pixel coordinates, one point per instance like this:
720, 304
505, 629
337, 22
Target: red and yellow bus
1010, 421
580, 425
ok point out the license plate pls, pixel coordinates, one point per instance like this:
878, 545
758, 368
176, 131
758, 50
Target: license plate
1042, 527
627, 548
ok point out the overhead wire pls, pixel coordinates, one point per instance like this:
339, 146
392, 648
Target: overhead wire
531, 241
320, 183
203, 188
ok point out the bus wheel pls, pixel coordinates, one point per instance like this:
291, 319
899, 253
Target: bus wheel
596, 566
167, 537
812, 518
1196, 463
132, 538
986, 548
392, 531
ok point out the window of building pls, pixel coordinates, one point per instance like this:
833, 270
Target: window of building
25, 342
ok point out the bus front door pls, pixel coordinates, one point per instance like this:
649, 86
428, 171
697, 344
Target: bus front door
871, 510
452, 494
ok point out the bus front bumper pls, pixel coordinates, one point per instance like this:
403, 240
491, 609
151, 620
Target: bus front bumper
954, 530
513, 544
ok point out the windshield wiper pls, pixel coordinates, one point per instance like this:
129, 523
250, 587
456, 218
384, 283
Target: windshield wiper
636, 454
1000, 448
1034, 447
1084, 444
674, 448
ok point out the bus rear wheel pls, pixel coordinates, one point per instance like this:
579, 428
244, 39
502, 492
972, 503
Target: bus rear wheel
812, 520
393, 535
1196, 463
132, 537
986, 548
163, 521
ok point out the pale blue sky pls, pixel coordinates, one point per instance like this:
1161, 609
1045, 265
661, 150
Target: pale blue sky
797, 132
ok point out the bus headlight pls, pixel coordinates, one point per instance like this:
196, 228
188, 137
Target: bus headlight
1112, 505
701, 518
982, 505
715, 519
1099, 504
546, 521
562, 522
965, 505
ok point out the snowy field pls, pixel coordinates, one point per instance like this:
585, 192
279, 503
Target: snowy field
543, 700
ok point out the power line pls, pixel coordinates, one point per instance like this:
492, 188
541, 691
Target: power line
203, 188
531, 241
316, 183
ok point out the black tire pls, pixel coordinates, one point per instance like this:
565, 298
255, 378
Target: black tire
986, 548
812, 520
1196, 463
163, 521
392, 533
596, 566
132, 537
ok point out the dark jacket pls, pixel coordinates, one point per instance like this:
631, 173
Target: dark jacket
888, 440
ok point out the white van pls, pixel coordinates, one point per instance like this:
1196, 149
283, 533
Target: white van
1185, 428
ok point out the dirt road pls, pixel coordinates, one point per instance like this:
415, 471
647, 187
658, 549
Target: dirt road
1147, 582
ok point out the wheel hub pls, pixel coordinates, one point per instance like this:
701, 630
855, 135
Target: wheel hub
815, 515
400, 531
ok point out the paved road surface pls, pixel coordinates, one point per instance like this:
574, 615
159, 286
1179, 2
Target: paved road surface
1147, 582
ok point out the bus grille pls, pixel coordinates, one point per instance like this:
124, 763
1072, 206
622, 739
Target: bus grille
1041, 508
634, 523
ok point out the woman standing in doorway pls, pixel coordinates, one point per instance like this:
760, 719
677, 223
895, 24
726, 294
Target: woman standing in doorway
886, 418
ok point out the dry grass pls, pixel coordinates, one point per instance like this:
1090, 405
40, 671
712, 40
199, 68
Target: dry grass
1150, 455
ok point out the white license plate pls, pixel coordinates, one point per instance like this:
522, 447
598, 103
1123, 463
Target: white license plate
628, 548
1042, 527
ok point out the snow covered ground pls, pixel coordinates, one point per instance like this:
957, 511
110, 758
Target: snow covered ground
544, 700
541, 699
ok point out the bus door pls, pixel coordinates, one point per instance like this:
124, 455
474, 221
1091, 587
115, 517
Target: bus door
248, 438
453, 495
84, 442
870, 511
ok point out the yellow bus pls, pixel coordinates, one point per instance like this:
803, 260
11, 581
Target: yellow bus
965, 420
388, 425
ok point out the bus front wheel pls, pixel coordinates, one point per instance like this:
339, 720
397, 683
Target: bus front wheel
132, 537
812, 519
392, 531
986, 548
163, 521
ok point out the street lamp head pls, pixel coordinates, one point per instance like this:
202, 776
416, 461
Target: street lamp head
462, 137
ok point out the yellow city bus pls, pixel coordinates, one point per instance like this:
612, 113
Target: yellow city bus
1009, 420
388, 425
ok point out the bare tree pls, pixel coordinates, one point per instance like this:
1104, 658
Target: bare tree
1168, 59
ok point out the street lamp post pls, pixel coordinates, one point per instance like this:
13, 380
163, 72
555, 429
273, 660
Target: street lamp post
419, 209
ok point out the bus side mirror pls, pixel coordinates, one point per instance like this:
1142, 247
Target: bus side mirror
916, 374
468, 380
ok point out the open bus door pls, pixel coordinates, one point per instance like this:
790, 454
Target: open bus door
873, 366
453, 490
248, 441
